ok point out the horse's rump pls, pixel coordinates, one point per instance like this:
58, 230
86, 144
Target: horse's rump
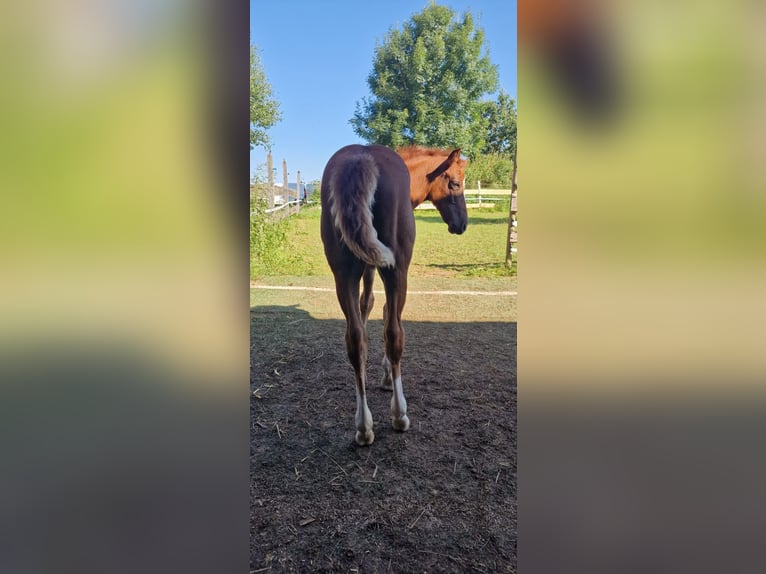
351, 183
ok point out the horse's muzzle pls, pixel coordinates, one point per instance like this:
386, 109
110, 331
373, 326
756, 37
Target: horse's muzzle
457, 229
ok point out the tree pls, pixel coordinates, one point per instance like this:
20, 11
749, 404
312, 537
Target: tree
427, 84
264, 109
501, 116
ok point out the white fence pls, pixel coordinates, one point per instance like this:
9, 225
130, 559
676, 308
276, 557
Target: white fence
478, 198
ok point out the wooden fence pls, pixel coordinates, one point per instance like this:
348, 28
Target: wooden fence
478, 198
279, 199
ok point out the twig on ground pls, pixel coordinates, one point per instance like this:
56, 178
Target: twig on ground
279, 432
335, 461
374, 472
418, 518
308, 455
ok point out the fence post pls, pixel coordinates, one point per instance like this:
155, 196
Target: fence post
298, 191
478, 186
270, 168
511, 250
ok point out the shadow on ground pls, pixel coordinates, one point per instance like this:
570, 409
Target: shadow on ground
441, 497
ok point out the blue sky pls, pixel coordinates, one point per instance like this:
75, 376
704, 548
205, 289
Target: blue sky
317, 56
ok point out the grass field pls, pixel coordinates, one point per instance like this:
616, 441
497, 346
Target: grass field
479, 252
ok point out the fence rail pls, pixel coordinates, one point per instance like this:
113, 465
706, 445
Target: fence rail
489, 192
481, 198
288, 204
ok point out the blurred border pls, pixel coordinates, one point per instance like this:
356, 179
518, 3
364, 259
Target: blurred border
641, 281
124, 349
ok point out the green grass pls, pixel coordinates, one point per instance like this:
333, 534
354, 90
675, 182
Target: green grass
479, 252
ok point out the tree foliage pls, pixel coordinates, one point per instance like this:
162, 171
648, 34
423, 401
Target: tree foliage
264, 109
427, 84
501, 115
492, 170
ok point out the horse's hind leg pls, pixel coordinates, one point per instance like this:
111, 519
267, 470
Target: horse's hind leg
388, 379
396, 292
347, 289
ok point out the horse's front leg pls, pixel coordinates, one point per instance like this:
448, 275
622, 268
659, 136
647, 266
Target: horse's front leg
388, 378
367, 300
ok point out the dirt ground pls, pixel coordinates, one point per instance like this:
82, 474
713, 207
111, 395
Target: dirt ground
438, 498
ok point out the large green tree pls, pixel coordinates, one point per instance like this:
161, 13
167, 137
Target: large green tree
501, 115
427, 84
264, 109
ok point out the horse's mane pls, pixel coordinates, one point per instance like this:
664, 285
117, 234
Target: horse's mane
417, 151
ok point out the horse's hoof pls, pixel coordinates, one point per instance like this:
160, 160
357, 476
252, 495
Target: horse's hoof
401, 424
387, 384
364, 438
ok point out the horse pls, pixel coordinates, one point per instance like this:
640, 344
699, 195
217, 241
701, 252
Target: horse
368, 194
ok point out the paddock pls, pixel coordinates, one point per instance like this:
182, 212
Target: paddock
439, 498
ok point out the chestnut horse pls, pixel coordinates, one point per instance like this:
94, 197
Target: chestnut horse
368, 194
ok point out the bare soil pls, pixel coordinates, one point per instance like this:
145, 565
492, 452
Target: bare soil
438, 498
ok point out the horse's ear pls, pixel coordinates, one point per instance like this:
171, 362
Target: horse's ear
443, 166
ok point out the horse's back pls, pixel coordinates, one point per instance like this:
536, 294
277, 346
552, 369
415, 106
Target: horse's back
393, 170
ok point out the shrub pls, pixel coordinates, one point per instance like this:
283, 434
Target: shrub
493, 170
267, 238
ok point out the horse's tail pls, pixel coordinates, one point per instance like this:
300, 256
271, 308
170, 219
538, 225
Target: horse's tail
352, 193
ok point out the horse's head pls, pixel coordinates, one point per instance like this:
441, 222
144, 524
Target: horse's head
445, 190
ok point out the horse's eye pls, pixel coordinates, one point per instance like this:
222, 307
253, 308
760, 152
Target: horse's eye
454, 184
